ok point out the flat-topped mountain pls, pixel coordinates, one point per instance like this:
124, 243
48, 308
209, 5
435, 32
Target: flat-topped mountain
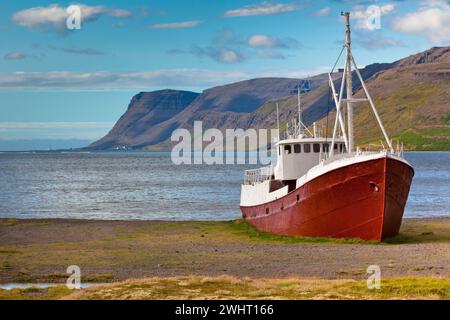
145, 110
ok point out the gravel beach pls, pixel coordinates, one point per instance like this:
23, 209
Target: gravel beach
109, 251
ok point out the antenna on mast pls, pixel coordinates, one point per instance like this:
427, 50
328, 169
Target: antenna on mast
300, 128
278, 123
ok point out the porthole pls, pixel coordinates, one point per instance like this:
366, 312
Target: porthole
374, 186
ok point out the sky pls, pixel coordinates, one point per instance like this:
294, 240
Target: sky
62, 83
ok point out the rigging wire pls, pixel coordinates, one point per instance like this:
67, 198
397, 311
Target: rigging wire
329, 93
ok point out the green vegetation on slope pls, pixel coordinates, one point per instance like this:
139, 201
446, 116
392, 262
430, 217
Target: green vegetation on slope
403, 112
409, 116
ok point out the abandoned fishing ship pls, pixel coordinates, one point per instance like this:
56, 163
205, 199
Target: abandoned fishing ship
325, 186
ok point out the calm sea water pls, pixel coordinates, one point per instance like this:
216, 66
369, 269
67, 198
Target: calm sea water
148, 186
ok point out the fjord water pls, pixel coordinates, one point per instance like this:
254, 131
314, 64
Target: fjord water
146, 185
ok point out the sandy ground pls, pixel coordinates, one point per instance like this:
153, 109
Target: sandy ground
106, 251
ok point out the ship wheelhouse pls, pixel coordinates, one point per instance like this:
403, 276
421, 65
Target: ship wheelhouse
297, 156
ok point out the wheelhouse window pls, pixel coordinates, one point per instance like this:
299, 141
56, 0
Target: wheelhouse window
297, 148
287, 149
307, 148
341, 147
316, 148
325, 147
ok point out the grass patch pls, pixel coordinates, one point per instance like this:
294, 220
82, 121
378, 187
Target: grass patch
227, 287
446, 119
402, 288
427, 140
51, 293
242, 228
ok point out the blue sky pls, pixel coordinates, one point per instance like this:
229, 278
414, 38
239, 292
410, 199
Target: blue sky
62, 84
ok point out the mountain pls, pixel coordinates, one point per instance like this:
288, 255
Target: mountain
143, 125
146, 109
411, 94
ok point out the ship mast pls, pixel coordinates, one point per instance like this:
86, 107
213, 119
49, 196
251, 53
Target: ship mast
351, 136
338, 98
300, 123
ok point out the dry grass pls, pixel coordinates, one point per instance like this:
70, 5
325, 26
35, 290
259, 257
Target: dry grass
228, 287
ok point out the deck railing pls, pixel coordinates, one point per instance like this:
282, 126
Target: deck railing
258, 175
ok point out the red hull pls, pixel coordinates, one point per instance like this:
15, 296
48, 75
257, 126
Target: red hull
364, 200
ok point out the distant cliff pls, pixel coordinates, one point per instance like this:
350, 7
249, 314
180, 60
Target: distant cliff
146, 110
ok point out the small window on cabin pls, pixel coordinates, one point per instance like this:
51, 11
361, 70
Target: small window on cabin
287, 149
341, 147
297, 148
307, 148
336, 146
316, 147
325, 147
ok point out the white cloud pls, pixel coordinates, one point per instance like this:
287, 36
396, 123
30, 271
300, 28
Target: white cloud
262, 9
146, 80
54, 125
262, 41
87, 51
229, 47
220, 54
228, 56
322, 12
53, 17
376, 41
14, 56
265, 41
362, 16
431, 20
176, 25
